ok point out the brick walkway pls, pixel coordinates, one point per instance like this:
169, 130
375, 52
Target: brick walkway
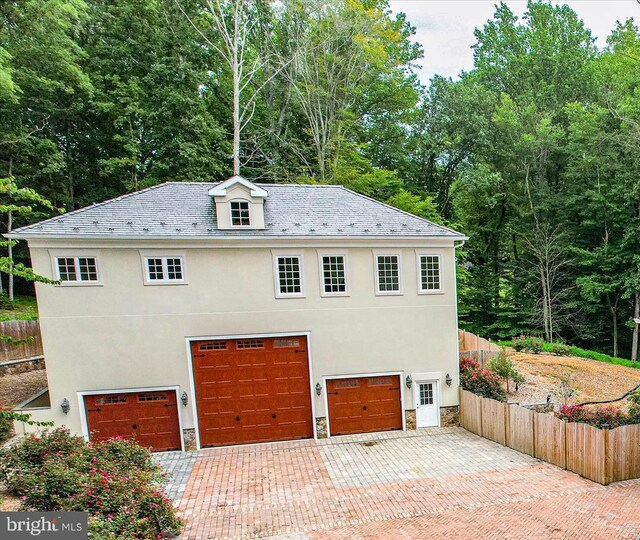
179, 466
432, 484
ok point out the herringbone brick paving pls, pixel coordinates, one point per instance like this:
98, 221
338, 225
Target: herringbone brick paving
398, 486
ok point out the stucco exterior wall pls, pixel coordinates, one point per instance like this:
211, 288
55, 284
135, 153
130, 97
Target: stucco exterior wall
125, 334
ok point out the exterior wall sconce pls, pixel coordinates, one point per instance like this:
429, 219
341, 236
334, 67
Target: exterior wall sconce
448, 380
408, 381
184, 398
65, 406
318, 388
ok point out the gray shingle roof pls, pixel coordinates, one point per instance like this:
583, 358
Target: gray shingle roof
185, 210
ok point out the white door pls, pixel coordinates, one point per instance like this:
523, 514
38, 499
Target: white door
427, 407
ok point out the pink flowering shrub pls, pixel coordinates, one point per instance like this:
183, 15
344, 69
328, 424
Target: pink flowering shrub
595, 416
116, 481
481, 382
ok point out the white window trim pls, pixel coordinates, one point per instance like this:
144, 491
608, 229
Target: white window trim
231, 214
377, 254
419, 255
276, 274
342, 254
76, 254
144, 255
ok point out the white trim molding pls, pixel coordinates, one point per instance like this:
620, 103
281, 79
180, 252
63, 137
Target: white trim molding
322, 253
248, 209
387, 253
276, 273
325, 378
75, 254
192, 386
145, 255
427, 253
83, 413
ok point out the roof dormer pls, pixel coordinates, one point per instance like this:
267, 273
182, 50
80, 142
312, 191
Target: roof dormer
239, 204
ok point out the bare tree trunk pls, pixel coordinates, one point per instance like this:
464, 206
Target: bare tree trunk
10, 249
614, 319
636, 316
236, 109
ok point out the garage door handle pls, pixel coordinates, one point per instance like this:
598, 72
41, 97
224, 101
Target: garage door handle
169, 404
364, 408
237, 419
274, 415
135, 426
94, 410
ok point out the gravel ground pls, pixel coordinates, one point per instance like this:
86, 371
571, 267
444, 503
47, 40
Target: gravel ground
592, 380
16, 387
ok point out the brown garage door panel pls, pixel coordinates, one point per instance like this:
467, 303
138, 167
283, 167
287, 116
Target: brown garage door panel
252, 390
364, 404
151, 418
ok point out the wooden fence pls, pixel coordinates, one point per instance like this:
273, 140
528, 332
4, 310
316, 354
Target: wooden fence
476, 348
20, 330
601, 455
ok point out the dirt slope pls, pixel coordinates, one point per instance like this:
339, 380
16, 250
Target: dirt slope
591, 379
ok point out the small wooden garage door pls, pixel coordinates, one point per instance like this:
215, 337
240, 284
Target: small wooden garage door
151, 418
252, 390
364, 404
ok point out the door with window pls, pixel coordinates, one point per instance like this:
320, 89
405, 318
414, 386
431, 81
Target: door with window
427, 406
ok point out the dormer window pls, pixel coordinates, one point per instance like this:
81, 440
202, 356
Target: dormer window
238, 204
240, 216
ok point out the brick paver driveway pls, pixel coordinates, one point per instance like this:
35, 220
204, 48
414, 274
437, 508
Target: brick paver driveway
443, 483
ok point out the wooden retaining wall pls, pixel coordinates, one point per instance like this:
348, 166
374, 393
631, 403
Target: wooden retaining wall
20, 330
601, 455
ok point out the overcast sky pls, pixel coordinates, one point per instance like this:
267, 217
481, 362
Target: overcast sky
445, 27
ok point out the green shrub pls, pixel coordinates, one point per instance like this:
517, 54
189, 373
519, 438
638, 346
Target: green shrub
480, 381
6, 426
634, 406
502, 366
519, 343
561, 349
116, 481
530, 344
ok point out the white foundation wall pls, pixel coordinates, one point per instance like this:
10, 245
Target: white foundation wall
124, 334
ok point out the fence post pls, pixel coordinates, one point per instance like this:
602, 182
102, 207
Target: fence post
481, 419
607, 473
566, 446
533, 433
507, 422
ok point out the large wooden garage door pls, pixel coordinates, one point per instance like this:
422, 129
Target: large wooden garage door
252, 390
364, 404
151, 418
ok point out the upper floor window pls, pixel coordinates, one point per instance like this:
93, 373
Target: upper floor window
334, 275
164, 270
388, 279
288, 275
77, 270
240, 216
429, 273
